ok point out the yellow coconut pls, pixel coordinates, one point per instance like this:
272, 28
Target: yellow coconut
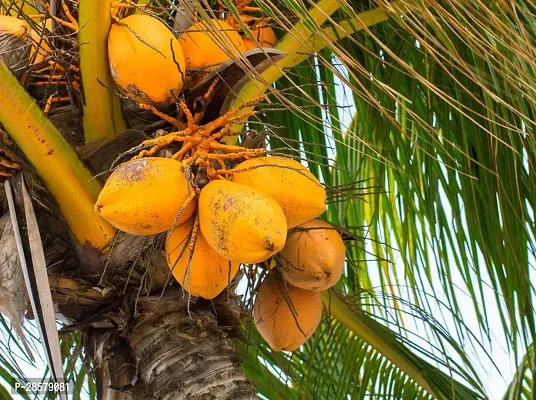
146, 60
313, 256
13, 26
145, 196
298, 192
39, 49
208, 274
241, 223
282, 328
14, 43
205, 48
262, 33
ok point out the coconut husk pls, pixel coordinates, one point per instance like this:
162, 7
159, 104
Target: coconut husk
15, 52
100, 157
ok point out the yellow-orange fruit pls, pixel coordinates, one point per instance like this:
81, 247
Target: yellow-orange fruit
241, 223
313, 256
264, 35
13, 26
274, 319
144, 196
38, 54
146, 60
298, 192
205, 48
208, 274
14, 43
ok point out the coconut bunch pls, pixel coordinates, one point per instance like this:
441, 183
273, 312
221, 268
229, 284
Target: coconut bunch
165, 65
152, 66
150, 63
219, 205
251, 209
264, 213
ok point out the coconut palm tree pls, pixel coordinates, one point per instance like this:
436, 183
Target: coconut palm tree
417, 115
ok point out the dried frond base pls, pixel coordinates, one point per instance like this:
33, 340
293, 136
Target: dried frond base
8, 159
14, 300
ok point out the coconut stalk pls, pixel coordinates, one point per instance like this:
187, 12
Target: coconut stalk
69, 181
384, 341
102, 108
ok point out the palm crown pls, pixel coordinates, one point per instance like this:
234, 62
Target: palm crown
418, 118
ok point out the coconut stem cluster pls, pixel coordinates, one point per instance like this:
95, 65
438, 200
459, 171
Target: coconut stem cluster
220, 206
262, 208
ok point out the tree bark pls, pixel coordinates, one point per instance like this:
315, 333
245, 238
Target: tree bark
162, 351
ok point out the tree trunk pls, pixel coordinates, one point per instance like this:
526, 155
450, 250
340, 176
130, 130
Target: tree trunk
159, 350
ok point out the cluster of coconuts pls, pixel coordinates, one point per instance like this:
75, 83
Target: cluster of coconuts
151, 65
267, 209
288, 306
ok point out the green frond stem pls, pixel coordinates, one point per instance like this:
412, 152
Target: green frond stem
339, 310
56, 162
300, 42
334, 33
298, 36
102, 108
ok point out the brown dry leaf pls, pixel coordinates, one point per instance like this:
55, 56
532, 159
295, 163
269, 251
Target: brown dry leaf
13, 295
4, 219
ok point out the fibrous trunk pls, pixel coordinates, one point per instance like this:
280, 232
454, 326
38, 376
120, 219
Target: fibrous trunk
162, 350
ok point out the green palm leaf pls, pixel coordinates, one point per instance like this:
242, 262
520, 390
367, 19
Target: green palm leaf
443, 137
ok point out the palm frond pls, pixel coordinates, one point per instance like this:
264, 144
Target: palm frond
338, 363
522, 386
443, 137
